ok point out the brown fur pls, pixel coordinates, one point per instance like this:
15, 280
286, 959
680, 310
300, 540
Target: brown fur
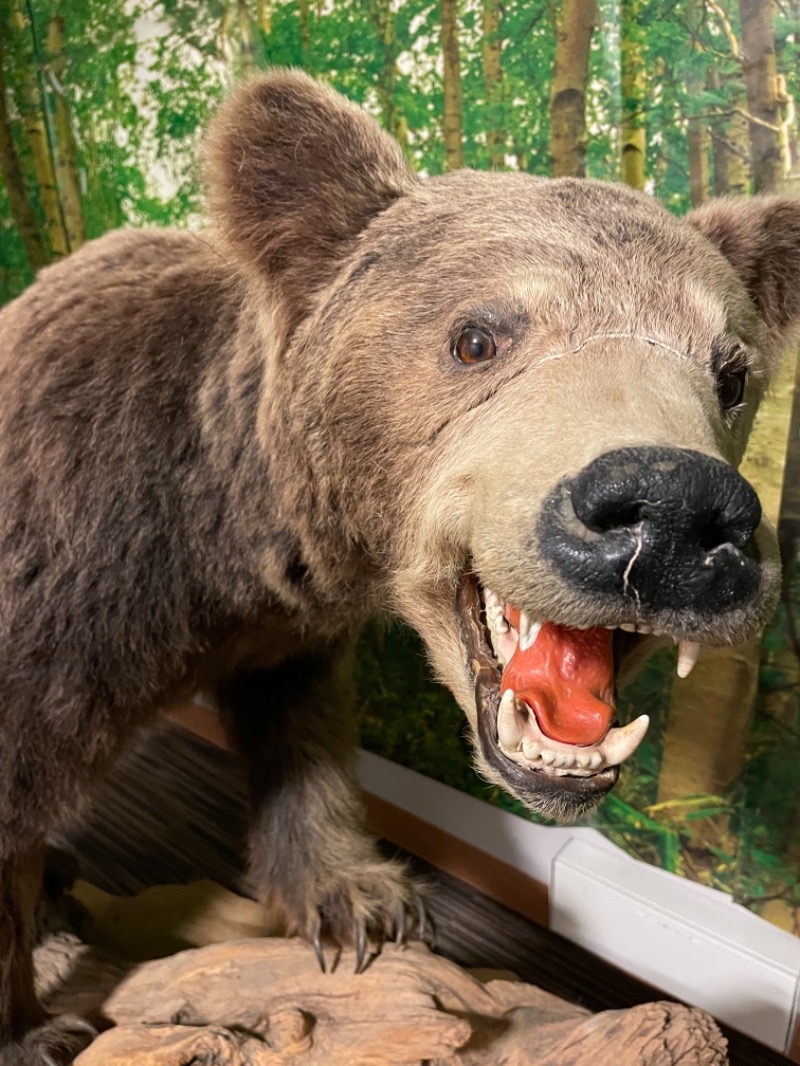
220, 452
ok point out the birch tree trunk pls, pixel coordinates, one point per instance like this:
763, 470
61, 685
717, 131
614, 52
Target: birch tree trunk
236, 36
730, 132
304, 10
35, 126
382, 14
697, 133
453, 147
21, 207
699, 170
633, 133
264, 16
760, 77
66, 169
493, 82
568, 97
246, 48
729, 140
387, 77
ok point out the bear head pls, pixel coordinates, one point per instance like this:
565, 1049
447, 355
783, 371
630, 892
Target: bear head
517, 406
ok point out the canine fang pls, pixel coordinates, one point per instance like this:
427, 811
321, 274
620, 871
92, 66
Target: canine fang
688, 654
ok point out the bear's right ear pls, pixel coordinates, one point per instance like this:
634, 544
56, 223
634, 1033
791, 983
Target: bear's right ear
295, 173
760, 238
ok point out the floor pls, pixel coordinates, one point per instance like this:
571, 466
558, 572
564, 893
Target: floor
174, 812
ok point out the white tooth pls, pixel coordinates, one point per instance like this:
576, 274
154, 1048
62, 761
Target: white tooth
495, 640
500, 625
532, 749
528, 631
491, 598
687, 656
533, 633
620, 744
563, 760
596, 761
583, 761
548, 757
643, 629
509, 727
629, 627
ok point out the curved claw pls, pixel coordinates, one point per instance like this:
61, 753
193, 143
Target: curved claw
361, 944
315, 937
61, 1036
80, 1025
427, 930
400, 922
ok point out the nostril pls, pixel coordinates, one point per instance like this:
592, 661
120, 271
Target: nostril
603, 516
623, 515
713, 535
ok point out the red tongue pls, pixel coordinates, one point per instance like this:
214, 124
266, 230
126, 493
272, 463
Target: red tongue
567, 679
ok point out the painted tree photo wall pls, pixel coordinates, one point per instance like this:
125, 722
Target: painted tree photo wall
102, 103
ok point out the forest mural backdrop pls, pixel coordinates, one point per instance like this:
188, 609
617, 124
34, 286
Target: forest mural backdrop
101, 107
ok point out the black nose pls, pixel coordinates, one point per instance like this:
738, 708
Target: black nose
668, 528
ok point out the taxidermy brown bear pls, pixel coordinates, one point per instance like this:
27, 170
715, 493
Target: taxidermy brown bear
508, 410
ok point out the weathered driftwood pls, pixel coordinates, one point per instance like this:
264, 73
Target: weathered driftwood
264, 1002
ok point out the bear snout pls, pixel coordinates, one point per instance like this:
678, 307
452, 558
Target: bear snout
666, 529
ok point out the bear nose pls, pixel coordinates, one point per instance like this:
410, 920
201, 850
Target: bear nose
668, 527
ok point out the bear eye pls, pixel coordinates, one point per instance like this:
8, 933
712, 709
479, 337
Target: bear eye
473, 346
730, 388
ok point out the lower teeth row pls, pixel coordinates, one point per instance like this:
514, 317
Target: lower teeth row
560, 760
513, 720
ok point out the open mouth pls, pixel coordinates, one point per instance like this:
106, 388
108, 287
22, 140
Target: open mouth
546, 693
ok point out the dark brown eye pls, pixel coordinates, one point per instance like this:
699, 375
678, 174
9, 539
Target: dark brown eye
474, 346
730, 388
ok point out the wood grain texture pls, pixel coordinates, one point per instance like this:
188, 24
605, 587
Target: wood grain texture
265, 1002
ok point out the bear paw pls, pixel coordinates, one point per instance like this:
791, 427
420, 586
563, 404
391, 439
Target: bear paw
56, 1043
365, 906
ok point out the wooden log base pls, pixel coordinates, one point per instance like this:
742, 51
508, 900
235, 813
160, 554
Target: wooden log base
265, 1002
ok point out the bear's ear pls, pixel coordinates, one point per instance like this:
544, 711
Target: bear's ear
761, 240
295, 172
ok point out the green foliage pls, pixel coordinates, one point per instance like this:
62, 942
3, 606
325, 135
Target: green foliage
405, 715
15, 273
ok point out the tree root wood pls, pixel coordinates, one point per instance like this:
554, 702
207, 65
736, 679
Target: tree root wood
265, 1002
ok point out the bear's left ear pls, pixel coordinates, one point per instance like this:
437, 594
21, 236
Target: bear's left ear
295, 172
761, 240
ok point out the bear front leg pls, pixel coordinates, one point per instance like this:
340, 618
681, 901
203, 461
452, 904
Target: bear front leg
28, 1036
294, 726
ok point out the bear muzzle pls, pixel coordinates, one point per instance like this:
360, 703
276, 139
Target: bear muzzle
652, 541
